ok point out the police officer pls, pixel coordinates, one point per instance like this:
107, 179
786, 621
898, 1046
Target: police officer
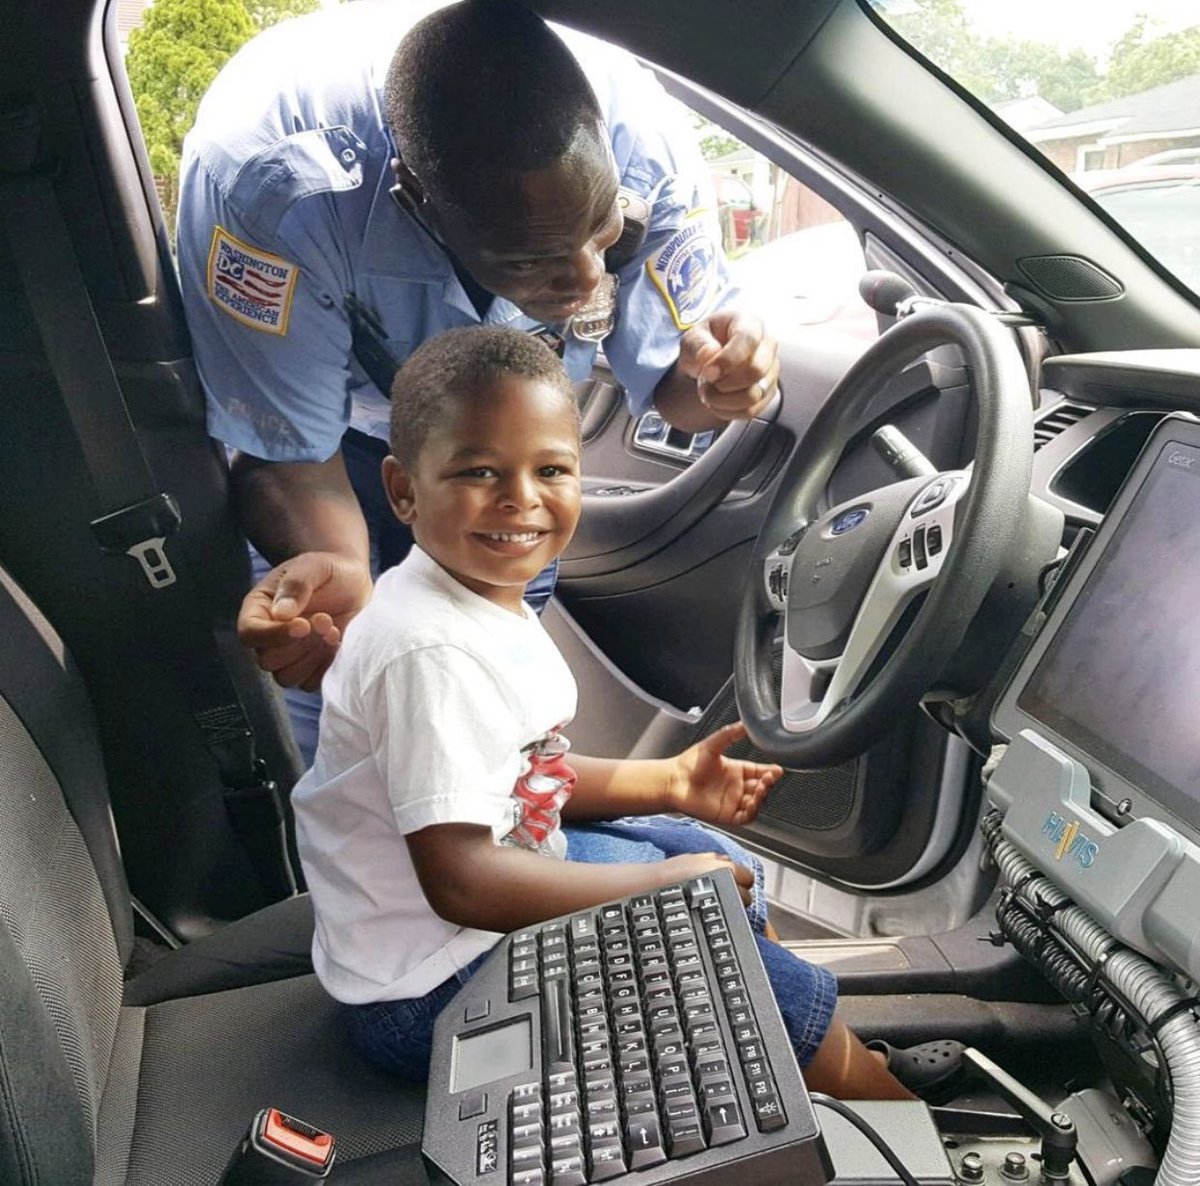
341, 200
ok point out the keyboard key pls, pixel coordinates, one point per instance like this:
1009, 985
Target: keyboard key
644, 1138
568, 1171
716, 1089
768, 1113
606, 1159
723, 1122
526, 1155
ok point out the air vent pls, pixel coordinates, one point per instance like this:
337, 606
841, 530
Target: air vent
1061, 417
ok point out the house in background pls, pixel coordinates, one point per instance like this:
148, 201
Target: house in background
129, 17
1022, 114
757, 202
1118, 132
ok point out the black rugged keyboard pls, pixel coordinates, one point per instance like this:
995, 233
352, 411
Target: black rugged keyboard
639, 1039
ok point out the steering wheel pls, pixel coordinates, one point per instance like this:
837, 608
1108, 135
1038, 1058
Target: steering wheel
859, 647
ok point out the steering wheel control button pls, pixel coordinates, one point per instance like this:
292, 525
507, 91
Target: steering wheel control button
933, 539
932, 496
904, 553
848, 520
792, 542
919, 557
777, 583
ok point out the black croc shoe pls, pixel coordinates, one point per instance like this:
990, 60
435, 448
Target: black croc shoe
932, 1070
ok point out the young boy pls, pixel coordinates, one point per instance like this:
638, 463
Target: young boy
429, 824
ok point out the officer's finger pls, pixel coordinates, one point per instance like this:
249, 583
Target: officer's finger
697, 348
734, 357
257, 625
744, 402
739, 335
759, 366
294, 588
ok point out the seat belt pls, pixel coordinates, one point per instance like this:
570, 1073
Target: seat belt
138, 518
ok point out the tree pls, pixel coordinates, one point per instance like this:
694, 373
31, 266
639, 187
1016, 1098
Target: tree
997, 68
172, 59
265, 13
939, 30
712, 139
1141, 59
1017, 69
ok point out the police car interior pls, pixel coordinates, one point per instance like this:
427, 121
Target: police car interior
947, 579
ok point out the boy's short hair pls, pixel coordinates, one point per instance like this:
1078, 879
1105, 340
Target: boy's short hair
448, 371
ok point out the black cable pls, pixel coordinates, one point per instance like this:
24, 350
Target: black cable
885, 1150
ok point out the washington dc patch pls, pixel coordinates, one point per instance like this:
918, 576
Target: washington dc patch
685, 272
253, 286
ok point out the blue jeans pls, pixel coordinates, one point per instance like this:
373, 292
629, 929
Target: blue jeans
390, 541
398, 1035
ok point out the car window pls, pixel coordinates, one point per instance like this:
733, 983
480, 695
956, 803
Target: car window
1104, 91
1165, 216
794, 255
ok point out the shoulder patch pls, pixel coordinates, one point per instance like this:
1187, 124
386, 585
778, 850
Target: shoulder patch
685, 271
252, 286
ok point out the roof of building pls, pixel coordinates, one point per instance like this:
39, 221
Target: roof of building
1161, 111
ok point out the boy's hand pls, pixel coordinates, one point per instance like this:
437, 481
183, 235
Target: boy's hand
697, 864
718, 790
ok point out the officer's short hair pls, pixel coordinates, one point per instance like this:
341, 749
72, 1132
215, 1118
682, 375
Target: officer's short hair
480, 89
447, 372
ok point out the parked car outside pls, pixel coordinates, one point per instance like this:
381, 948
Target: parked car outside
736, 209
1159, 205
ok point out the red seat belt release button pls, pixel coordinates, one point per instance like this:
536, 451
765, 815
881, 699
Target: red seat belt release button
280, 1150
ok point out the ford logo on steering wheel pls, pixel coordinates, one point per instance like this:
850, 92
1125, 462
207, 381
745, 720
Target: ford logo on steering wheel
848, 521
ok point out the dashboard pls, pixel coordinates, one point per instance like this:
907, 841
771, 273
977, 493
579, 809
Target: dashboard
1097, 411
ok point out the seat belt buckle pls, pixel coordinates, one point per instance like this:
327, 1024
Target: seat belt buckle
279, 1150
140, 530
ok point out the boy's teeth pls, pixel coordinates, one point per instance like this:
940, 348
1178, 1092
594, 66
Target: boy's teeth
513, 537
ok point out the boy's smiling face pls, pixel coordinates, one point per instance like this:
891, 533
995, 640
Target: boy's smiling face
495, 492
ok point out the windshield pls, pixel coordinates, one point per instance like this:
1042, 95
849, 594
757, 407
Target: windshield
1109, 92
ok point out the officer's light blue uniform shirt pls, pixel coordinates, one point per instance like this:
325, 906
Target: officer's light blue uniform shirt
284, 215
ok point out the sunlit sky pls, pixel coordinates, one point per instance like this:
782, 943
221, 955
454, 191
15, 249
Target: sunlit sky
1092, 25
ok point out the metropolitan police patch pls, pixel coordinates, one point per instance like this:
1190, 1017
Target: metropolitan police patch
255, 287
685, 272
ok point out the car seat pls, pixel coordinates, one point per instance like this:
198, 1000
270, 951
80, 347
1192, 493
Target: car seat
152, 1080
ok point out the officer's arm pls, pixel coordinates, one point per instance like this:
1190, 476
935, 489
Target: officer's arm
677, 401
289, 507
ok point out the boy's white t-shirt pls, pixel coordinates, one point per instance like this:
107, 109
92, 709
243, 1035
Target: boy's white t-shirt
436, 708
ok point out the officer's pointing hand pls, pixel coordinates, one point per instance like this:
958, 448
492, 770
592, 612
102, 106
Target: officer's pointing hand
735, 363
294, 617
